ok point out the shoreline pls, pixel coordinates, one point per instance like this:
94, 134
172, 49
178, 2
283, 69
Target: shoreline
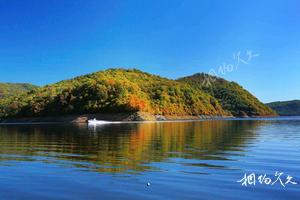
123, 117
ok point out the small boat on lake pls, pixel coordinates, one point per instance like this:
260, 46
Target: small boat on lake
100, 122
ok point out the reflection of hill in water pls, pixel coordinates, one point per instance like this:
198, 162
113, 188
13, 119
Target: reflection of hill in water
129, 147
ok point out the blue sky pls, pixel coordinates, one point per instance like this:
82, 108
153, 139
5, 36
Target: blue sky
44, 42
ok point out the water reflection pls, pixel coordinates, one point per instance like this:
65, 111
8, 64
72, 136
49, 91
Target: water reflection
129, 148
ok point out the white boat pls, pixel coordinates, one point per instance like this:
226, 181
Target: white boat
99, 122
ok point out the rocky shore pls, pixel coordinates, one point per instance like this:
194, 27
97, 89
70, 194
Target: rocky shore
138, 116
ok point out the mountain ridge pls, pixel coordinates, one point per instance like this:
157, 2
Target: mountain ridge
118, 91
286, 108
9, 89
232, 97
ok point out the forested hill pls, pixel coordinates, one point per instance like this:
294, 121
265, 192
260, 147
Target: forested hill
286, 108
129, 91
232, 97
9, 89
112, 91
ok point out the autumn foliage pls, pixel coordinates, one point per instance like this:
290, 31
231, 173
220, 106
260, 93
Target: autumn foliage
115, 91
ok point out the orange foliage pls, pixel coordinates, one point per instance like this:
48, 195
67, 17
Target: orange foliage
136, 103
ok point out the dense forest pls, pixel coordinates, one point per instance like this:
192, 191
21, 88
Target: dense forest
129, 91
113, 90
10, 89
231, 96
286, 108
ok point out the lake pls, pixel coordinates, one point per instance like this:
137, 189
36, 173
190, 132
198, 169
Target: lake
180, 160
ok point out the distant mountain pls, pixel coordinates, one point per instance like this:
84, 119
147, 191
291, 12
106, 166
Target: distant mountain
286, 108
232, 97
9, 89
132, 91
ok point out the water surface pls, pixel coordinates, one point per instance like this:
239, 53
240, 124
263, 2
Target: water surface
181, 160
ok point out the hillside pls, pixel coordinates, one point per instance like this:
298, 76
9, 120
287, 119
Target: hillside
130, 91
112, 91
232, 97
9, 89
286, 108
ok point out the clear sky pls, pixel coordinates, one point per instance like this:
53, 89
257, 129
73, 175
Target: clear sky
42, 42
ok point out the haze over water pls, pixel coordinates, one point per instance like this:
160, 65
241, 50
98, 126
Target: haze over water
180, 160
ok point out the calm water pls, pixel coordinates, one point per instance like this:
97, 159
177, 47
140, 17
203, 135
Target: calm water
183, 160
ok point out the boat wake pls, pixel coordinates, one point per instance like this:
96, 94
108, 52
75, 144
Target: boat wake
101, 122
